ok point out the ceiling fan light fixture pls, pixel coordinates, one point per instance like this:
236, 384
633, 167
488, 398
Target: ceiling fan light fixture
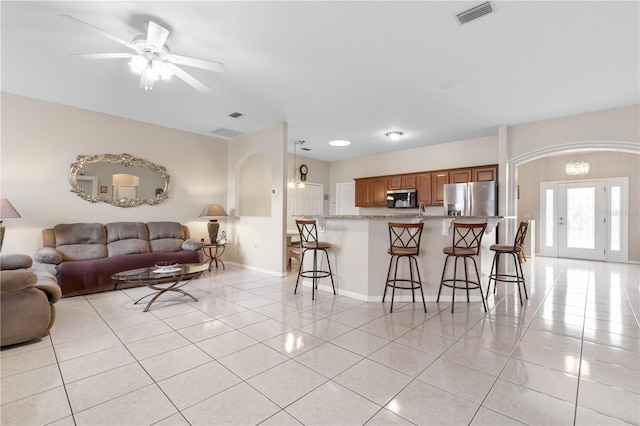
138, 63
340, 142
394, 136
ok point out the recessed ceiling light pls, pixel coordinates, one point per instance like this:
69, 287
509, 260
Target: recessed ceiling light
395, 135
339, 142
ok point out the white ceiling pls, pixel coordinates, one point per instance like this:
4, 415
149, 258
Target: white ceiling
336, 70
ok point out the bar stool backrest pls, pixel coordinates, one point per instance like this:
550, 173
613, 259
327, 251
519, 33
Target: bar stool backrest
405, 237
308, 231
468, 236
518, 243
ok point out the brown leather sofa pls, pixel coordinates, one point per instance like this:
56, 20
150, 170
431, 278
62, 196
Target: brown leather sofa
84, 256
26, 301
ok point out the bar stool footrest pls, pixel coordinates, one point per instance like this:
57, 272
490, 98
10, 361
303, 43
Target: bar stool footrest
506, 278
471, 285
414, 284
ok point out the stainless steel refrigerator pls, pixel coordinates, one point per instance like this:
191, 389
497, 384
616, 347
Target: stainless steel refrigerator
470, 199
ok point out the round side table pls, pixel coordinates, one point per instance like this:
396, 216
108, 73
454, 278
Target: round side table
213, 253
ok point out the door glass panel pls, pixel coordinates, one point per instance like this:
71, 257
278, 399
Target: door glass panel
581, 218
549, 219
614, 220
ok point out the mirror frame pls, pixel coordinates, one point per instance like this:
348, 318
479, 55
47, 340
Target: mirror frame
124, 160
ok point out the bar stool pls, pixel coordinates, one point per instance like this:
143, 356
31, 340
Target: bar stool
308, 231
466, 245
404, 242
517, 252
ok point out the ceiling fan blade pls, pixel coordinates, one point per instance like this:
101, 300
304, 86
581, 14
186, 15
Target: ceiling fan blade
196, 63
100, 31
188, 78
156, 35
103, 55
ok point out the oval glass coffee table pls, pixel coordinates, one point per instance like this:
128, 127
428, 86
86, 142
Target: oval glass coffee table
153, 277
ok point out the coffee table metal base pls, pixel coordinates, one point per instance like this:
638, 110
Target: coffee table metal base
161, 281
162, 290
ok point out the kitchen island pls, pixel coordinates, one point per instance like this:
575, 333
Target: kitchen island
359, 257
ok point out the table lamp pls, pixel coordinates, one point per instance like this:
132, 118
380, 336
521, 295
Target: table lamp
6, 211
212, 211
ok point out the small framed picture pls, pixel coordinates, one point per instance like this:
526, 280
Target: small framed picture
103, 189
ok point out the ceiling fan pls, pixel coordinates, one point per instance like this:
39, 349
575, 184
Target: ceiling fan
152, 59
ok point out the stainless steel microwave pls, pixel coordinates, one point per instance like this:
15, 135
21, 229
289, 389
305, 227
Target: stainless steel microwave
402, 198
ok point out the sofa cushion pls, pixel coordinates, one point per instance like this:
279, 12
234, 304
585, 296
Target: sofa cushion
165, 236
16, 280
81, 241
15, 261
127, 238
48, 255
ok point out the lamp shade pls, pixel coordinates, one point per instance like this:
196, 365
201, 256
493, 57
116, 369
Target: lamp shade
213, 210
7, 210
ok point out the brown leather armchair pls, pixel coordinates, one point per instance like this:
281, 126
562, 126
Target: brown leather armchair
27, 300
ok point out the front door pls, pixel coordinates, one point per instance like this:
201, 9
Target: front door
584, 220
581, 220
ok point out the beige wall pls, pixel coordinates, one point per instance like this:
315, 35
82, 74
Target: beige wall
40, 140
257, 242
318, 173
618, 124
601, 165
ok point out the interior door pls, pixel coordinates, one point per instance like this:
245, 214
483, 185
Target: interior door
581, 220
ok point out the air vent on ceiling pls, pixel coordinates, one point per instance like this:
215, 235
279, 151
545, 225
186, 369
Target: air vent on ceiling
474, 13
235, 114
305, 149
226, 133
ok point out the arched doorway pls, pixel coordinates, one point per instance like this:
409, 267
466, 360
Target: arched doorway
549, 167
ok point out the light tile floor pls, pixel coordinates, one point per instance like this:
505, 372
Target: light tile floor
251, 352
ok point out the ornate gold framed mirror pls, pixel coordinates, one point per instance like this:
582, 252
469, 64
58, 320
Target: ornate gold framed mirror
119, 179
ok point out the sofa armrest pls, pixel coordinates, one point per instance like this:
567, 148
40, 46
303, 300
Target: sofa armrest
12, 281
15, 261
48, 255
192, 244
53, 291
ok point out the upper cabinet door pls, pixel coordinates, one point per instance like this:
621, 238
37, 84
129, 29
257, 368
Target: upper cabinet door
485, 174
424, 188
394, 182
409, 181
362, 193
378, 191
439, 180
460, 176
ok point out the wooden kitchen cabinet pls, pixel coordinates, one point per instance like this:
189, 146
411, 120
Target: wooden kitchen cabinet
371, 192
401, 182
484, 174
439, 179
362, 192
423, 185
459, 176
378, 191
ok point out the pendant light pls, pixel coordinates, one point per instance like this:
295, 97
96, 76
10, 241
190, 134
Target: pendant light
294, 182
577, 168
